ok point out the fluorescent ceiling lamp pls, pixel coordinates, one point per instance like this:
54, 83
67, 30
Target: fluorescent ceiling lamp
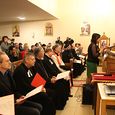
21, 18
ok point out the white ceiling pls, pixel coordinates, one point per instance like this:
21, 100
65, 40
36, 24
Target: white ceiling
11, 9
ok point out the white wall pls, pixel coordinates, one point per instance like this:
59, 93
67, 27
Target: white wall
72, 13
30, 32
98, 13
47, 5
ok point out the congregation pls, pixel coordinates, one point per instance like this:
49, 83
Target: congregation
47, 60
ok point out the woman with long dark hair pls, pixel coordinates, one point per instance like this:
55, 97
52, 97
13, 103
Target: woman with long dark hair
93, 53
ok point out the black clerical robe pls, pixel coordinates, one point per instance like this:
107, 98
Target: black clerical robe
50, 66
47, 69
23, 77
66, 56
42, 71
52, 70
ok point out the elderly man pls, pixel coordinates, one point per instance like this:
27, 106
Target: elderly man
7, 87
23, 76
49, 72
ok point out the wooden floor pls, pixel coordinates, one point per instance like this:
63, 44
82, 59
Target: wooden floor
74, 106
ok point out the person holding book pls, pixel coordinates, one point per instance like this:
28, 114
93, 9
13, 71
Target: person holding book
53, 70
8, 86
58, 87
24, 75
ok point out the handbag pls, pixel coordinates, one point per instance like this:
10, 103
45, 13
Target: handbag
87, 94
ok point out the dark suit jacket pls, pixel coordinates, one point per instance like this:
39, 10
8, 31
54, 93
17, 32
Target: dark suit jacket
8, 86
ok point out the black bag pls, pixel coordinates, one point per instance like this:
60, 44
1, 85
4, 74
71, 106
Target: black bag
87, 94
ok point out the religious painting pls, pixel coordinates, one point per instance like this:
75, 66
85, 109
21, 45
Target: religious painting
103, 43
15, 31
48, 29
85, 29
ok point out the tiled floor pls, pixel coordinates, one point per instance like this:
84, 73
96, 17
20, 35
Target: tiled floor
74, 106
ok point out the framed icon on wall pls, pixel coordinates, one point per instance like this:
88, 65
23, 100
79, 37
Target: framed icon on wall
15, 31
85, 29
49, 29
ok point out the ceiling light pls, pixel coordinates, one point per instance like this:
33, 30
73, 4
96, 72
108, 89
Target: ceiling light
21, 18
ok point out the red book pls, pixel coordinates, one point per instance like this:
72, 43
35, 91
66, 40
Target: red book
38, 80
100, 76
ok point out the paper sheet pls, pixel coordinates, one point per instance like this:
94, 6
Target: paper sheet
81, 56
62, 75
34, 91
77, 61
7, 105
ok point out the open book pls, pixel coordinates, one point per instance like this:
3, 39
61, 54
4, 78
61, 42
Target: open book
77, 61
63, 75
34, 92
81, 56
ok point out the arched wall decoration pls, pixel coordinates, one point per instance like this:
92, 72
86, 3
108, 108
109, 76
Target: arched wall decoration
49, 29
103, 41
16, 31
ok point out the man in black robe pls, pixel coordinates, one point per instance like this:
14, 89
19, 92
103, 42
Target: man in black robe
58, 87
23, 76
8, 87
69, 54
52, 69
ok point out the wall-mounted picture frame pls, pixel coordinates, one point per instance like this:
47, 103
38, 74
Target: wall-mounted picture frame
16, 31
48, 29
85, 28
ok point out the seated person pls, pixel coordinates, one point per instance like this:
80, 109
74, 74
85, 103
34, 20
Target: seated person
32, 48
25, 51
52, 69
8, 86
21, 47
58, 41
78, 48
12, 54
4, 44
23, 76
17, 49
58, 87
69, 55
56, 57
